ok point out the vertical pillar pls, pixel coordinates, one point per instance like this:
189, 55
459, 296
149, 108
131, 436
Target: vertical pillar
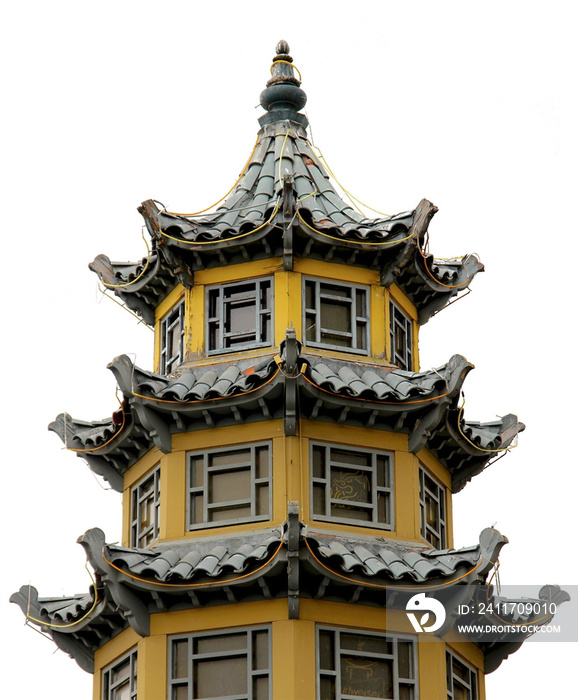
152, 667
432, 670
293, 659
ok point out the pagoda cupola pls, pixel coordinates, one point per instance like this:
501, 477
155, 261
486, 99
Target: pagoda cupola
287, 468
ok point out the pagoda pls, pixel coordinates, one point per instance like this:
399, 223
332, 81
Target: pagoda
288, 469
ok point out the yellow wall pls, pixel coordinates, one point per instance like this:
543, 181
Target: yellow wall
293, 645
291, 477
287, 307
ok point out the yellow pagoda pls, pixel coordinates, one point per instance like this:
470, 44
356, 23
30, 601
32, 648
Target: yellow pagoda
287, 470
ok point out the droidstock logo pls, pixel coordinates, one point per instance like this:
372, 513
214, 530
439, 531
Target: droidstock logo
428, 605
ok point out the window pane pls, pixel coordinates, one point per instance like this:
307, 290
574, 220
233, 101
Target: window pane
335, 316
404, 655
318, 500
310, 295
180, 659
366, 677
181, 693
197, 509
350, 457
122, 692
319, 462
262, 455
406, 692
262, 494
348, 485
310, 328
213, 678
197, 471
327, 688
121, 671
220, 642
230, 512
364, 642
230, 485
219, 459
240, 317
326, 651
351, 513
261, 688
260, 650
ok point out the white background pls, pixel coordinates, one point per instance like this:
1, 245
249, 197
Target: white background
468, 104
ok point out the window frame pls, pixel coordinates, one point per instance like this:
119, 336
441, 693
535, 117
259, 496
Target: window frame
338, 651
219, 320
252, 673
471, 687
388, 489
168, 364
355, 319
204, 489
137, 531
404, 362
108, 687
442, 509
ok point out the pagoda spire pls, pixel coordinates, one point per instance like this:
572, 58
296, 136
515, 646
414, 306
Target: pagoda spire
283, 97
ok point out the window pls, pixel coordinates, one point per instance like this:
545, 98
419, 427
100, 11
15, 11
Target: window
462, 679
119, 679
239, 315
432, 504
365, 664
336, 315
232, 665
172, 339
352, 485
229, 485
144, 510
401, 338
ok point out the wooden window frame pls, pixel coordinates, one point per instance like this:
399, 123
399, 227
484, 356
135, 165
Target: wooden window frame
358, 321
215, 323
138, 496
253, 674
400, 322
387, 490
439, 496
203, 491
176, 316
410, 683
109, 686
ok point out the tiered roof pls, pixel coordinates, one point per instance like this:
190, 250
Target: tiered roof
284, 205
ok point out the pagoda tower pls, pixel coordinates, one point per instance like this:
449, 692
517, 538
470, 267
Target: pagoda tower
288, 469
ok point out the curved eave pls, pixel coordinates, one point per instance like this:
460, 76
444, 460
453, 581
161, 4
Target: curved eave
422, 405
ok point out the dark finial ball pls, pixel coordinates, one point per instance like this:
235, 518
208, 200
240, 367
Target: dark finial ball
282, 47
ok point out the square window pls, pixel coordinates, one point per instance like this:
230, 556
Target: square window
239, 315
144, 510
353, 663
401, 338
432, 504
172, 338
351, 485
462, 679
336, 315
229, 485
236, 664
119, 679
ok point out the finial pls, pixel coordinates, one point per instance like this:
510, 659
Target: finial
282, 48
283, 98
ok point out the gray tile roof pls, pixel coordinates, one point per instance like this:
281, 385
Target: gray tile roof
249, 224
423, 404
200, 557
389, 559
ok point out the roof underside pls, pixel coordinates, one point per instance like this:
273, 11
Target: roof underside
285, 205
